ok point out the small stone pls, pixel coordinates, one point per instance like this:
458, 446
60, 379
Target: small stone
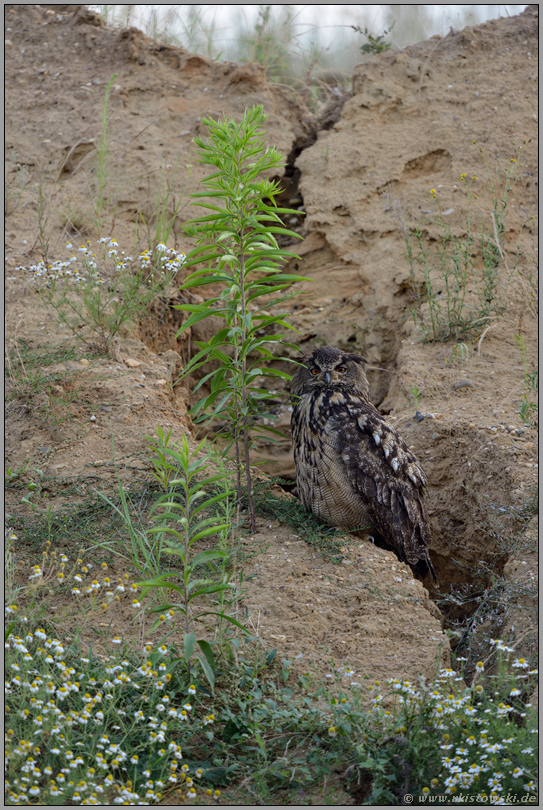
324, 302
131, 363
84, 361
463, 384
160, 382
93, 418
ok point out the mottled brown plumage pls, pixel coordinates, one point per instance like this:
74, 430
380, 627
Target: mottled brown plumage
353, 469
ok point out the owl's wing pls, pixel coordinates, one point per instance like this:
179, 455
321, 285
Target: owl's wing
389, 478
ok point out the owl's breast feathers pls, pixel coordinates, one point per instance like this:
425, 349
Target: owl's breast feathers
379, 467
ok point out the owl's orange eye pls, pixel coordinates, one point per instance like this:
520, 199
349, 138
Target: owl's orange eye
315, 370
341, 369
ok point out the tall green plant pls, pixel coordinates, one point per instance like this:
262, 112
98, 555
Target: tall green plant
237, 242
180, 514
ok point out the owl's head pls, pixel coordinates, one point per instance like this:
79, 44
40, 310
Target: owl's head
330, 368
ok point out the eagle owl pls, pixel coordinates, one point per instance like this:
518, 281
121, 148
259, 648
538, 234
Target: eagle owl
353, 469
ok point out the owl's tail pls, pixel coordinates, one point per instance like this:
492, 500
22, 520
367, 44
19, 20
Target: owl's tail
424, 568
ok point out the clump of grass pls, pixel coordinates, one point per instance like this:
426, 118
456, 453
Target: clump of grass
87, 522
160, 220
270, 42
292, 512
461, 286
31, 385
95, 297
461, 350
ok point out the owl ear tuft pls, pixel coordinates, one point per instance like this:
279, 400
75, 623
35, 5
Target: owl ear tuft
356, 358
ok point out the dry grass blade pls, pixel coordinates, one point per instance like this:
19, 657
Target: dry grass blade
488, 328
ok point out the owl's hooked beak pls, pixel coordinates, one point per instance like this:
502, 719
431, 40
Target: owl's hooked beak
328, 377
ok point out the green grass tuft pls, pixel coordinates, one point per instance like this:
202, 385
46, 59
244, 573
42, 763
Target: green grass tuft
327, 541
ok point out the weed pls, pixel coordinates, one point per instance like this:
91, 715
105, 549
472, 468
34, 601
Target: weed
374, 44
530, 387
11, 475
237, 241
460, 350
145, 550
416, 394
441, 738
165, 211
268, 42
195, 35
11, 590
224, 570
107, 293
180, 525
465, 279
